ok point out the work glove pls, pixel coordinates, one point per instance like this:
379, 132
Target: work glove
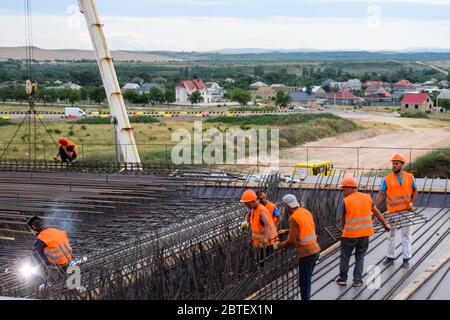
411, 207
284, 231
275, 245
387, 227
244, 225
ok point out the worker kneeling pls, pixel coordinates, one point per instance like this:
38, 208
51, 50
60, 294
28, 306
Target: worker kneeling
51, 249
264, 234
67, 150
357, 209
302, 235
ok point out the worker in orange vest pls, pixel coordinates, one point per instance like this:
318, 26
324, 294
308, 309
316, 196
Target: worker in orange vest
400, 190
271, 207
264, 234
67, 150
52, 247
357, 210
302, 235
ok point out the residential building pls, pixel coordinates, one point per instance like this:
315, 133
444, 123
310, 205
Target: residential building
146, 87
186, 87
402, 85
214, 92
304, 99
343, 98
130, 86
414, 102
160, 80
257, 85
265, 93
376, 90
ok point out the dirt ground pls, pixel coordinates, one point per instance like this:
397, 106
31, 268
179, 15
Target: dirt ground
372, 148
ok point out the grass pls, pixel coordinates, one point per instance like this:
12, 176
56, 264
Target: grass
253, 109
433, 164
415, 115
98, 120
273, 120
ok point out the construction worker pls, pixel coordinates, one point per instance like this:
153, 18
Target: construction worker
400, 190
357, 209
52, 248
264, 234
271, 207
302, 235
67, 150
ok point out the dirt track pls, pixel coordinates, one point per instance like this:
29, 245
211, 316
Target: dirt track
343, 149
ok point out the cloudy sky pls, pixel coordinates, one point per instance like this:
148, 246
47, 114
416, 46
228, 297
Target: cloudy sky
203, 25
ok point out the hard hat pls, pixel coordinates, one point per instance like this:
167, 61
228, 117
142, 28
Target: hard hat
32, 219
248, 196
63, 141
398, 157
349, 182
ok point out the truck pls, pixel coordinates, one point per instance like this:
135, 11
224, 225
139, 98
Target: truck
74, 112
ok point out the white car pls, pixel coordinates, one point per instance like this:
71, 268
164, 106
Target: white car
299, 108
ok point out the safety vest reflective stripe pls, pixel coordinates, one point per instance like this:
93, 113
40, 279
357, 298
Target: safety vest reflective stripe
400, 203
59, 249
398, 198
307, 239
362, 226
368, 218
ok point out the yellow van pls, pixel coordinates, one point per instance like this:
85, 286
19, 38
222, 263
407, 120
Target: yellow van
313, 168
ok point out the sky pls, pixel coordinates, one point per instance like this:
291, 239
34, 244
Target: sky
207, 25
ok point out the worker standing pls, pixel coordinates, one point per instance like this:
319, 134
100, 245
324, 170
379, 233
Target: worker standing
302, 235
400, 190
357, 209
67, 150
271, 207
264, 233
52, 248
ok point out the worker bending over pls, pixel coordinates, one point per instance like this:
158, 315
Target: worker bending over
271, 207
264, 234
400, 190
52, 248
67, 150
302, 235
357, 209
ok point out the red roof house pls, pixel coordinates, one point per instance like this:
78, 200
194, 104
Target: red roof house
417, 102
403, 83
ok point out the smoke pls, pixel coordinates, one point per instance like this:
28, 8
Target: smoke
60, 217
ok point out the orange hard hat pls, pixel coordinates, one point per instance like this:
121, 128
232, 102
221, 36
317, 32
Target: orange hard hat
248, 196
398, 157
63, 141
349, 182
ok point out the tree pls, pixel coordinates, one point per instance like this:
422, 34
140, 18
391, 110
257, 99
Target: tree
241, 96
73, 96
169, 96
282, 99
98, 95
308, 90
258, 71
195, 97
155, 96
448, 76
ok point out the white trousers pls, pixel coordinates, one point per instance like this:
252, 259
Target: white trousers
406, 242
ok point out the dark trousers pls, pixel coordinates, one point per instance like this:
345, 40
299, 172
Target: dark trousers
64, 156
347, 245
305, 271
261, 254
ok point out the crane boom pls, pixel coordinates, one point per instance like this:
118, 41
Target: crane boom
123, 128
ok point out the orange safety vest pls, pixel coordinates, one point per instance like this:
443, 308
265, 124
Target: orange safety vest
270, 206
358, 216
305, 224
70, 144
398, 196
258, 235
57, 250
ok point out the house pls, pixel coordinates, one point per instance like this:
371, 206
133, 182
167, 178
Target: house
214, 92
369, 83
265, 93
429, 89
186, 87
444, 95
352, 85
130, 86
376, 90
304, 99
314, 89
146, 87
444, 84
413, 102
343, 98
229, 81
160, 80
137, 80
328, 83
257, 85
402, 85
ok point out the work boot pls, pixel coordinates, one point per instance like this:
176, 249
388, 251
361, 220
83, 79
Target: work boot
357, 283
341, 281
405, 263
388, 261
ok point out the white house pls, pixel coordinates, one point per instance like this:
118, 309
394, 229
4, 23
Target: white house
214, 92
186, 87
257, 85
130, 86
229, 80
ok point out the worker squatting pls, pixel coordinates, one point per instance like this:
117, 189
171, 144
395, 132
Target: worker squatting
53, 252
398, 187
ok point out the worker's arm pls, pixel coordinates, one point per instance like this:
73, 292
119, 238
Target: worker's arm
38, 255
293, 231
343, 213
380, 217
415, 191
276, 213
380, 197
